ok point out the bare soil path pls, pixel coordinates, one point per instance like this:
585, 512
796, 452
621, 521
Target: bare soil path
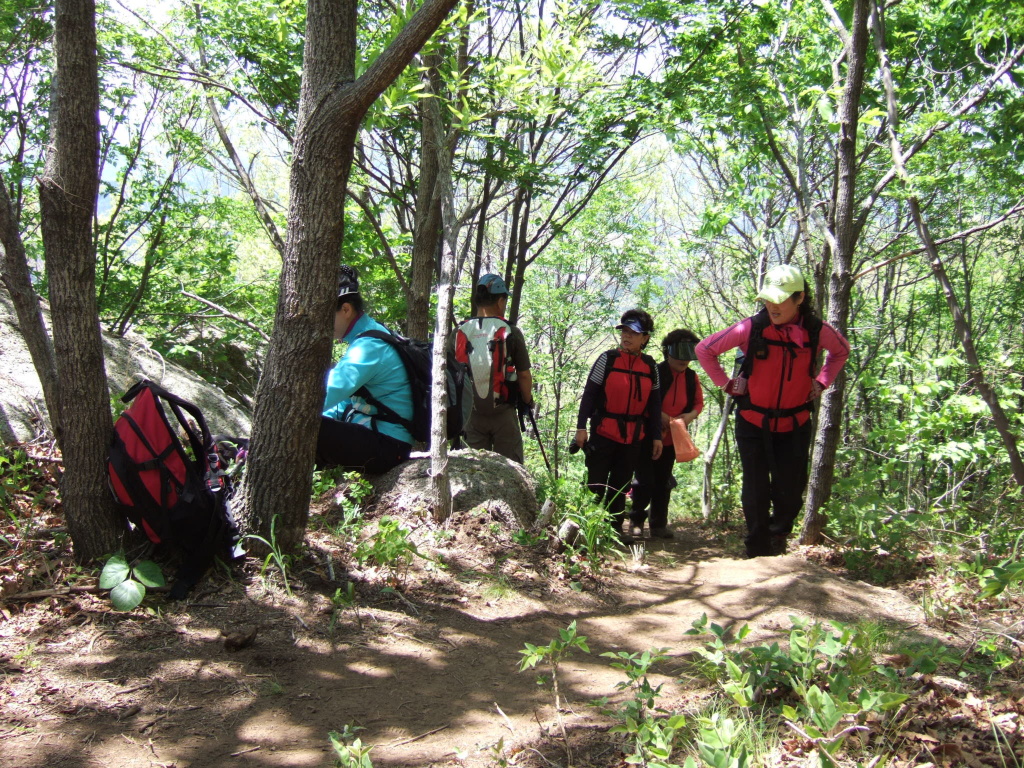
430, 676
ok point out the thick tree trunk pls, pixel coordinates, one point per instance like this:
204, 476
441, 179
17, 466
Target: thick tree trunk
841, 281
67, 197
290, 392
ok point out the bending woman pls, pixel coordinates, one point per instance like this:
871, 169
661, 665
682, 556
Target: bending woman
774, 391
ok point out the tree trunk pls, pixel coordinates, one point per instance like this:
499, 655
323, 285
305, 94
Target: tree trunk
960, 322
427, 229
841, 281
963, 332
440, 484
709, 459
67, 196
290, 392
16, 276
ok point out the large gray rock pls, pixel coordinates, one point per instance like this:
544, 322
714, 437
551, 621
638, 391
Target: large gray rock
23, 413
479, 479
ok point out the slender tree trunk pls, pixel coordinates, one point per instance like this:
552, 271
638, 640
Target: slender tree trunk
961, 324
707, 493
67, 195
841, 281
427, 228
291, 390
18, 279
440, 484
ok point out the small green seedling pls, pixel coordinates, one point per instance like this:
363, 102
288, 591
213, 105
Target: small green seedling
127, 583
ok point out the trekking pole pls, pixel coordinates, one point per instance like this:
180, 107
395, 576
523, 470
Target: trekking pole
536, 433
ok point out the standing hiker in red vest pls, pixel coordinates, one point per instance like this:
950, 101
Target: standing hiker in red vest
774, 390
681, 397
622, 401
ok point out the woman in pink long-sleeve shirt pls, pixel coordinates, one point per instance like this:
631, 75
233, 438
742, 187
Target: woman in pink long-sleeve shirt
774, 392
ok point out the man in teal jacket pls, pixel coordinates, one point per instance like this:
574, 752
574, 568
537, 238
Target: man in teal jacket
352, 435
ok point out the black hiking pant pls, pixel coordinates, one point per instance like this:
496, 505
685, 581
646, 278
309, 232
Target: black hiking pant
357, 448
774, 481
609, 472
653, 486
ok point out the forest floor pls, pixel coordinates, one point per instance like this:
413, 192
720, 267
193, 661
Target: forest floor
427, 667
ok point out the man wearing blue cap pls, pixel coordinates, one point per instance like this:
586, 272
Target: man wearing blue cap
499, 364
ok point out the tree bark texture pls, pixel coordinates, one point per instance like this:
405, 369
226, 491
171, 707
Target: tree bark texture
290, 393
17, 278
841, 281
427, 227
68, 190
440, 484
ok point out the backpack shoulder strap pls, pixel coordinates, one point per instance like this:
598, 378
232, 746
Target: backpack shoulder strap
691, 388
373, 333
610, 357
756, 347
813, 324
652, 367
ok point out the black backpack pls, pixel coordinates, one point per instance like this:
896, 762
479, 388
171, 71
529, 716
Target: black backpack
416, 357
176, 496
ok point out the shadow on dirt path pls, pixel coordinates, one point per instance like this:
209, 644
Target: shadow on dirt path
432, 681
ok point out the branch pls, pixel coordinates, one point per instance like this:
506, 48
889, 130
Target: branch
1017, 209
344, 98
966, 103
372, 218
236, 161
247, 323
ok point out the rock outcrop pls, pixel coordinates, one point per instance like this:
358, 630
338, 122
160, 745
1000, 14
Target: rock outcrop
23, 413
479, 479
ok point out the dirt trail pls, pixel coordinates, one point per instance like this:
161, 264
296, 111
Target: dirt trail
432, 684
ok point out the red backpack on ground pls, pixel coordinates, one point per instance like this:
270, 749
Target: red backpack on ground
175, 496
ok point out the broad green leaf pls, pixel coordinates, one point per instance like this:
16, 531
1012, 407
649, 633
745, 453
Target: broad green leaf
114, 572
127, 595
149, 573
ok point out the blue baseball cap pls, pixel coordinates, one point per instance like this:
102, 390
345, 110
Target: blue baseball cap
494, 284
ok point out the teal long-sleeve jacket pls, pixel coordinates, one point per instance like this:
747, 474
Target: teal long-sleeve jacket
374, 364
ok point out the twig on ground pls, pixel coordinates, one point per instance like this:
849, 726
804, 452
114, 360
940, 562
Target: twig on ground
508, 723
245, 751
415, 738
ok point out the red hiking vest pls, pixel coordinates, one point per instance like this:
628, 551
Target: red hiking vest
627, 388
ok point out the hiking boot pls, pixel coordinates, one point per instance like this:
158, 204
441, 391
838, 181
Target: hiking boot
662, 533
777, 546
637, 531
625, 539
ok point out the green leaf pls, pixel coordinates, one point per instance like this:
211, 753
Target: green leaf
149, 573
114, 572
127, 595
